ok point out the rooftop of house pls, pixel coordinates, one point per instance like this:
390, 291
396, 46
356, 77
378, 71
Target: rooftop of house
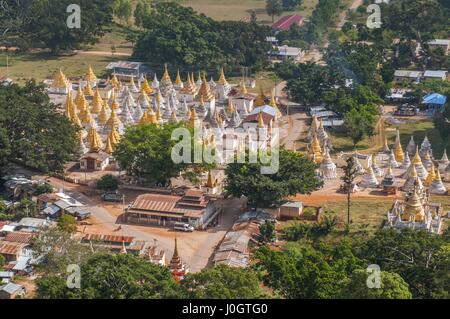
287, 21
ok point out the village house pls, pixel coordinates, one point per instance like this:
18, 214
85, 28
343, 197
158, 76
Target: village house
192, 208
285, 22
406, 76
11, 291
435, 75
285, 52
440, 43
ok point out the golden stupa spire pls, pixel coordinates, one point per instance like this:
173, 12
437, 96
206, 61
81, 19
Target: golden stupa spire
166, 76
151, 116
115, 81
146, 87
193, 119
103, 116
95, 140
88, 89
76, 120
113, 121
158, 113
97, 102
230, 106
260, 99
205, 91
431, 176
413, 206
173, 117
178, 79
60, 80
243, 88
115, 136
222, 80
416, 160
399, 155
115, 105
260, 121
210, 183
90, 75
68, 105
109, 146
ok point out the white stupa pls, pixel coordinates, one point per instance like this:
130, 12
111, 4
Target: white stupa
443, 163
426, 146
327, 169
437, 187
392, 161
138, 113
406, 162
426, 160
369, 180
411, 148
376, 169
411, 180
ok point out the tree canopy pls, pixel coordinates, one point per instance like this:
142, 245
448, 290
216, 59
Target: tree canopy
32, 131
295, 176
223, 282
188, 40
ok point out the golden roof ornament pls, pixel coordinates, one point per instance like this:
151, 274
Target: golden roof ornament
115, 136
205, 91
158, 113
146, 87
151, 116
193, 119
68, 105
115, 82
230, 106
113, 121
260, 121
173, 117
95, 140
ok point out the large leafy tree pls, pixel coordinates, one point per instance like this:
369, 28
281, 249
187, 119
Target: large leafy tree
107, 276
302, 271
223, 282
274, 8
295, 176
419, 257
145, 152
359, 123
186, 40
392, 286
46, 23
32, 131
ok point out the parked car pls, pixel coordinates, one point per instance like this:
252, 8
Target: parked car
112, 197
183, 227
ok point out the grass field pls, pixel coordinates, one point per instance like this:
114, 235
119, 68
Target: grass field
241, 9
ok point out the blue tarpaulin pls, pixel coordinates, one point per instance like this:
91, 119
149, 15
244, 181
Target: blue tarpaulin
435, 99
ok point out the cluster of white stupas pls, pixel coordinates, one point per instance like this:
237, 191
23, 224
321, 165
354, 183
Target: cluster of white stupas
103, 108
422, 166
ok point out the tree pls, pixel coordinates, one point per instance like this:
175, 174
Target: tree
223, 282
419, 257
108, 183
145, 152
107, 276
143, 8
44, 188
295, 175
2, 261
25, 208
274, 8
67, 223
358, 124
290, 5
47, 27
32, 129
392, 287
187, 40
125, 10
302, 271
348, 180
267, 232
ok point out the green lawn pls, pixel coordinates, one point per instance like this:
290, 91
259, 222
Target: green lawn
24, 66
241, 9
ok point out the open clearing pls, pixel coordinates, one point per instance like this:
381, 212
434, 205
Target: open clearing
240, 9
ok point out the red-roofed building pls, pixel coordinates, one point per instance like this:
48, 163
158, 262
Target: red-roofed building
286, 22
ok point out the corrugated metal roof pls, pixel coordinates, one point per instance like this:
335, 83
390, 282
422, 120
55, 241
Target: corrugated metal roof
10, 248
108, 238
19, 237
